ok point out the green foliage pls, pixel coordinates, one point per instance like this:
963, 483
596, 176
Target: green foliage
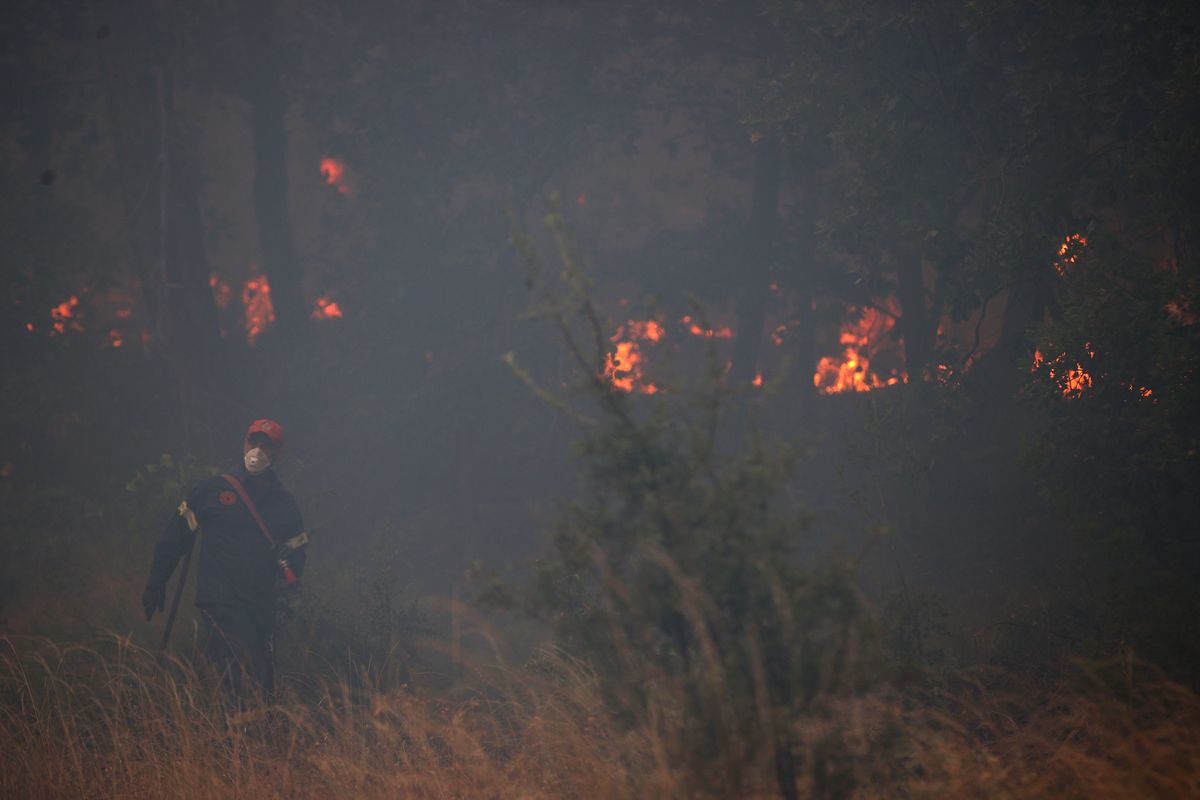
156, 488
678, 565
1117, 450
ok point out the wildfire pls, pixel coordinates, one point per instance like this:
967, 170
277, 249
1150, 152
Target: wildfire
851, 370
65, 316
695, 329
649, 330
326, 309
624, 367
256, 298
334, 172
1068, 252
1073, 380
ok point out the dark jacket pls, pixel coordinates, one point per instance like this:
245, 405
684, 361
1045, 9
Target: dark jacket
237, 565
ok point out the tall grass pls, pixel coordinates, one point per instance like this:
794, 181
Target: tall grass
112, 721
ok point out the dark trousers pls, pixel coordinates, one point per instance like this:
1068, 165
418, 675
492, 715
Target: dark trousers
237, 643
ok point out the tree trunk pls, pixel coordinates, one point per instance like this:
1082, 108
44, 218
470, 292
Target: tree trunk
195, 350
801, 336
752, 298
914, 323
131, 96
268, 106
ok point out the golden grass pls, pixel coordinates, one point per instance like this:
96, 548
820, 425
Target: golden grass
111, 721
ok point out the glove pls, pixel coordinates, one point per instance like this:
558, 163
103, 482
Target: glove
154, 598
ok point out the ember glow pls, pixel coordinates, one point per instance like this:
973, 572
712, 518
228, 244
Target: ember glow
334, 172
326, 309
260, 313
850, 371
222, 291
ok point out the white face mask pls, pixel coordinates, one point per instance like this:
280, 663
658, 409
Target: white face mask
256, 460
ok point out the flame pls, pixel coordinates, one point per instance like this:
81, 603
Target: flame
1068, 252
758, 379
256, 297
851, 370
649, 330
695, 329
1072, 381
623, 369
64, 316
115, 339
326, 309
334, 172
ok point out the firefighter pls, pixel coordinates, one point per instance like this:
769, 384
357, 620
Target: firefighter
251, 539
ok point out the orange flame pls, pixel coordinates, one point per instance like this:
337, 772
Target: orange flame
695, 329
623, 369
64, 316
260, 313
649, 330
334, 172
851, 370
326, 309
1068, 252
1072, 381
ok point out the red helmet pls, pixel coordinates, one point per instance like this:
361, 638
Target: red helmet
269, 428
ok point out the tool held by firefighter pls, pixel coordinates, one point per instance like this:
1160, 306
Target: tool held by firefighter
253, 543
189, 518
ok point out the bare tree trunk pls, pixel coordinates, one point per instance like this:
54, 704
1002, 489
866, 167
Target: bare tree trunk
131, 95
914, 324
195, 349
752, 299
268, 107
801, 336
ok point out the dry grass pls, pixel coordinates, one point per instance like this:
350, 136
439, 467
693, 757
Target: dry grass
112, 722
